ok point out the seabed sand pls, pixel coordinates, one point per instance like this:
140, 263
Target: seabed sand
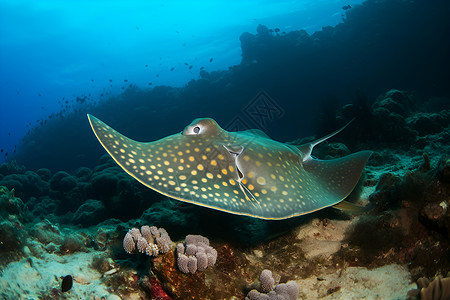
32, 277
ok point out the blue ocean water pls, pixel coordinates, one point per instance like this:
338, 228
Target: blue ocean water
53, 52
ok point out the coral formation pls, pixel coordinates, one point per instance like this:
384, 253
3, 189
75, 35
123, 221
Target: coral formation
437, 289
150, 240
195, 255
282, 291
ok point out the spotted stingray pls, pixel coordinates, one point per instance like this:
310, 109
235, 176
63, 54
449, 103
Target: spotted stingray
243, 173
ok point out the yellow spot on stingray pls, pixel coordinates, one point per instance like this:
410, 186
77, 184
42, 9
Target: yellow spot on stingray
131, 160
250, 175
196, 149
273, 176
191, 158
225, 183
177, 188
156, 177
213, 162
246, 157
148, 172
180, 153
182, 177
170, 170
221, 157
273, 189
204, 180
231, 168
224, 171
244, 181
232, 182
236, 192
261, 180
143, 167
258, 163
204, 157
200, 167
264, 191
122, 150
281, 178
152, 167
216, 186
141, 160
171, 182
260, 155
194, 172
180, 168
166, 162
250, 187
284, 193
204, 196
209, 175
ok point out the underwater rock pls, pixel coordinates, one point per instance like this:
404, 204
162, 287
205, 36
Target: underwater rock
429, 123
26, 185
12, 167
44, 173
12, 208
62, 182
90, 213
12, 240
83, 174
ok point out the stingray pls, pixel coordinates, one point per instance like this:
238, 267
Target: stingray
244, 173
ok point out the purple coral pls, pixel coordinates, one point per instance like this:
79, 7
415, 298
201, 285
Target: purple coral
282, 291
267, 281
144, 240
197, 255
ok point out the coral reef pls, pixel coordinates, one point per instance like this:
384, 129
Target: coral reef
282, 291
150, 240
195, 255
437, 289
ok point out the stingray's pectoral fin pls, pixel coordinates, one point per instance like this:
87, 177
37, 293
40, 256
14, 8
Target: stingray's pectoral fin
352, 207
338, 176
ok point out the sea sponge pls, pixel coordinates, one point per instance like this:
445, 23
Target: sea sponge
128, 243
267, 281
144, 240
438, 289
197, 255
282, 291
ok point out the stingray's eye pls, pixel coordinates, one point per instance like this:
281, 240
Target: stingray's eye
196, 129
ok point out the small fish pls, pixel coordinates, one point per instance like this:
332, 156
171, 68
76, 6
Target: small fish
66, 283
243, 173
211, 59
346, 7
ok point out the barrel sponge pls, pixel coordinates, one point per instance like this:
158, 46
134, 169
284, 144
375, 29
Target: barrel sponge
288, 290
128, 243
282, 291
267, 281
196, 239
144, 240
182, 262
142, 245
202, 261
192, 264
146, 233
196, 255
